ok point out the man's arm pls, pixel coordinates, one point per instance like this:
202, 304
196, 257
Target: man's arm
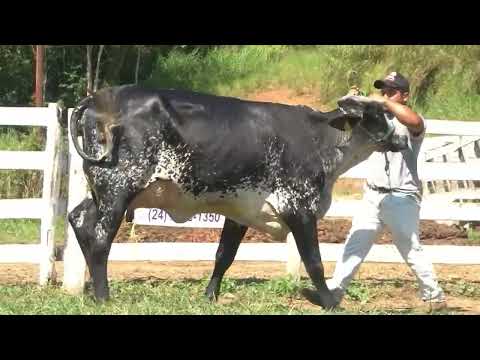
404, 114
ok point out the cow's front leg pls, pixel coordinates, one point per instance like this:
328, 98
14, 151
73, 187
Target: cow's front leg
232, 235
304, 229
109, 220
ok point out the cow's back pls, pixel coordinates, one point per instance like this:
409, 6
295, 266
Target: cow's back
211, 143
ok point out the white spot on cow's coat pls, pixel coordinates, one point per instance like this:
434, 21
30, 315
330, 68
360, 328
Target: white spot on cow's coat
171, 163
79, 220
100, 233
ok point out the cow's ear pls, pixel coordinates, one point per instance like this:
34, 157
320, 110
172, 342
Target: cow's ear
339, 123
337, 119
344, 123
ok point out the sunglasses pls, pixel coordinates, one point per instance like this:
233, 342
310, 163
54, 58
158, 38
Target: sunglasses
389, 91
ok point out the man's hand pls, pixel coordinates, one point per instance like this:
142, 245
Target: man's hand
403, 113
378, 98
354, 91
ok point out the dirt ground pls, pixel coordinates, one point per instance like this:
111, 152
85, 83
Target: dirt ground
289, 97
396, 285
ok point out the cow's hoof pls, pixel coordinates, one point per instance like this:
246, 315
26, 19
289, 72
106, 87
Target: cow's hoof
326, 301
211, 296
102, 298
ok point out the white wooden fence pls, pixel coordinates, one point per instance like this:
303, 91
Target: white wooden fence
74, 264
42, 208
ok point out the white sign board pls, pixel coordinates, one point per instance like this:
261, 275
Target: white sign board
160, 217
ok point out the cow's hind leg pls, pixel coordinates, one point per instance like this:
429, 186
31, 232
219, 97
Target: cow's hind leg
83, 219
303, 227
110, 215
232, 235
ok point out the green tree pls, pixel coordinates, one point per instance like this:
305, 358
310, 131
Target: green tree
16, 75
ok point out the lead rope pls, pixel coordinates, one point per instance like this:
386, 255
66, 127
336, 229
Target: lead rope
387, 170
387, 166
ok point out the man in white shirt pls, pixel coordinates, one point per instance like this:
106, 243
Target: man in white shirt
392, 198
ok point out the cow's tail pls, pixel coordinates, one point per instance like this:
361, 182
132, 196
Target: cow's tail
74, 125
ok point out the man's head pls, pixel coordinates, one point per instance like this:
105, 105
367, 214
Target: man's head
394, 87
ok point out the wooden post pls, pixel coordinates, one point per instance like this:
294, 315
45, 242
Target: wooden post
294, 260
50, 195
73, 259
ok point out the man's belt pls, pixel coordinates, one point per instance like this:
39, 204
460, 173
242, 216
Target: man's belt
380, 189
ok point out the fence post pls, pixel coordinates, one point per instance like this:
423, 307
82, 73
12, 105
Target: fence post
293, 260
50, 195
73, 259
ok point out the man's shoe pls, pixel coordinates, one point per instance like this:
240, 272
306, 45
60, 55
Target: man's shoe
437, 302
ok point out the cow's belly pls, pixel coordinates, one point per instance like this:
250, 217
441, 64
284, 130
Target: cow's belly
247, 207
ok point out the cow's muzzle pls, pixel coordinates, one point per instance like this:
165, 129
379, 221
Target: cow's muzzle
397, 143
389, 142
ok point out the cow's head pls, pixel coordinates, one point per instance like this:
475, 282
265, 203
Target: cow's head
366, 118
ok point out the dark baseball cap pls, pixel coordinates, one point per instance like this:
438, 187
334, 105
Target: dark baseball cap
393, 80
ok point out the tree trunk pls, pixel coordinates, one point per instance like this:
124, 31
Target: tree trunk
113, 68
97, 71
45, 73
39, 74
89, 70
137, 67
34, 72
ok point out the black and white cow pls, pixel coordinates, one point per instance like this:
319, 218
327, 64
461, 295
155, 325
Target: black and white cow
262, 165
